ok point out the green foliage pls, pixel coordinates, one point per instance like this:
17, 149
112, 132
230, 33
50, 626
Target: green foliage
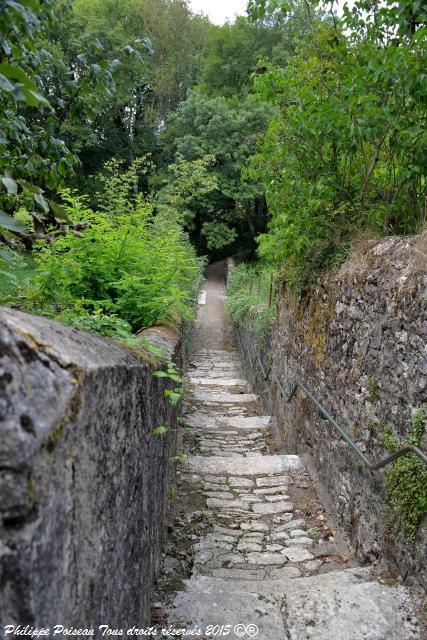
186, 183
250, 297
161, 430
372, 389
233, 52
33, 155
174, 395
228, 133
107, 325
180, 458
406, 481
346, 151
15, 268
31, 108
151, 81
130, 270
171, 372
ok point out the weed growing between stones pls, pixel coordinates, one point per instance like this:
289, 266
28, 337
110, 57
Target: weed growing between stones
406, 481
172, 373
372, 389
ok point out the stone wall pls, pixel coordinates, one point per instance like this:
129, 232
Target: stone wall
359, 344
83, 483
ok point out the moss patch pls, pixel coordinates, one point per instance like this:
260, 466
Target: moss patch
406, 480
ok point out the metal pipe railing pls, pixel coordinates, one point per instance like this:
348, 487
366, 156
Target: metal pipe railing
374, 466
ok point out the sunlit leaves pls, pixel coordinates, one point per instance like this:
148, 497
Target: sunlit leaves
130, 265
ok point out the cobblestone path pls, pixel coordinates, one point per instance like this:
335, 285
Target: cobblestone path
259, 568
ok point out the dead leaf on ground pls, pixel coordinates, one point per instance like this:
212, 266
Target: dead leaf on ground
329, 533
325, 558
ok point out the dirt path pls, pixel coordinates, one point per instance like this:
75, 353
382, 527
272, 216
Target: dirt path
257, 561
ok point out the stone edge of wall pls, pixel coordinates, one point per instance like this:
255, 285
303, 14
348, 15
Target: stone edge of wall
77, 460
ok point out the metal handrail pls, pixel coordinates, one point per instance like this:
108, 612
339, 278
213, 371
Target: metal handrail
374, 466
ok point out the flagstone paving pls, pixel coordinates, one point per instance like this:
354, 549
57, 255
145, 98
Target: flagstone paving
256, 556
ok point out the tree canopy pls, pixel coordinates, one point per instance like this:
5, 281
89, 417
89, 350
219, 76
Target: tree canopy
283, 136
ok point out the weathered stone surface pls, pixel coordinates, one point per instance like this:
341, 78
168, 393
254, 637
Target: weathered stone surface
255, 466
279, 536
216, 479
240, 574
253, 536
213, 487
270, 491
292, 524
273, 507
241, 482
341, 605
247, 546
329, 607
220, 397
222, 495
220, 537
220, 382
277, 481
235, 533
89, 482
273, 547
215, 608
217, 503
251, 422
295, 533
254, 526
284, 573
281, 497
209, 543
302, 541
266, 558
358, 342
297, 554
312, 565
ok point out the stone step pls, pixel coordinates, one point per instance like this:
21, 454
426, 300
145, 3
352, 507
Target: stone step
219, 382
229, 583
220, 397
341, 605
250, 466
252, 422
215, 374
202, 419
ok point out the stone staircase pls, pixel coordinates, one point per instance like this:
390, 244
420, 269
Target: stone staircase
261, 568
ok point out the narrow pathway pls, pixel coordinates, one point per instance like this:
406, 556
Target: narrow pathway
258, 566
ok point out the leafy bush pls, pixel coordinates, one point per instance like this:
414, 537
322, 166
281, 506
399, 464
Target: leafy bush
250, 297
346, 150
130, 270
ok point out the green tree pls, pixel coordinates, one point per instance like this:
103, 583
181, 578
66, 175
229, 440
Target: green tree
346, 150
204, 126
233, 54
185, 183
149, 87
33, 155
